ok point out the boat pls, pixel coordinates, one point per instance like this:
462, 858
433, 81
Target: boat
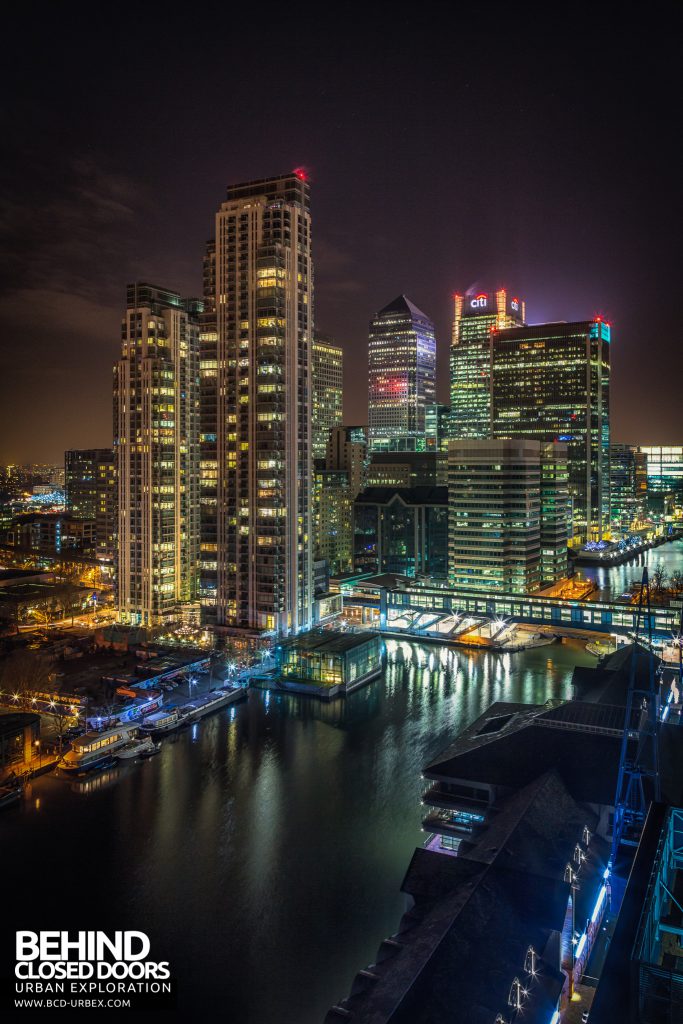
154, 748
164, 721
212, 701
96, 749
136, 748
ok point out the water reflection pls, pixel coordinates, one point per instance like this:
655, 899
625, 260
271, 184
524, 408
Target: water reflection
263, 852
616, 580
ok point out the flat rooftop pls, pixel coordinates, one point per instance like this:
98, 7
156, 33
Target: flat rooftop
327, 642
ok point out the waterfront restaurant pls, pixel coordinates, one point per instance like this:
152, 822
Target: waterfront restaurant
328, 663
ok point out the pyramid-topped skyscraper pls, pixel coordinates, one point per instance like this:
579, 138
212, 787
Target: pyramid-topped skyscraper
402, 375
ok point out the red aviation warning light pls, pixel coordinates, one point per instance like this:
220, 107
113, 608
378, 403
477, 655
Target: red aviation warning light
301, 173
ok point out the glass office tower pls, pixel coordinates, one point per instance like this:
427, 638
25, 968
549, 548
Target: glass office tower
628, 487
551, 382
402, 376
664, 477
476, 316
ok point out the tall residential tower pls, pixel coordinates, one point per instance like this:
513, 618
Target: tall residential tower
264, 336
156, 441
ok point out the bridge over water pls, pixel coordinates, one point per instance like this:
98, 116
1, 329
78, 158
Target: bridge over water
396, 597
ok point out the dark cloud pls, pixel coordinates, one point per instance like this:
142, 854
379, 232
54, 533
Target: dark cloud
536, 154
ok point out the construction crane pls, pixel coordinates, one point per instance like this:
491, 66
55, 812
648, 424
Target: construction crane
638, 782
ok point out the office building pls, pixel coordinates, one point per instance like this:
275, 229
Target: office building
90, 493
402, 530
156, 441
328, 390
53, 533
628, 487
551, 382
407, 469
402, 371
555, 512
664, 477
437, 426
476, 315
264, 326
497, 492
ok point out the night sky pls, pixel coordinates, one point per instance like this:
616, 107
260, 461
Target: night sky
444, 151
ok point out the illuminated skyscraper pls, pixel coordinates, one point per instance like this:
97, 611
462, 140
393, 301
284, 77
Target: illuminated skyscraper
664, 477
328, 391
437, 426
507, 514
476, 316
550, 382
156, 435
402, 372
264, 326
628, 486
208, 436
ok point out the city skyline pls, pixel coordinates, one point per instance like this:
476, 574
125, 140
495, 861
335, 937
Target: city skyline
531, 186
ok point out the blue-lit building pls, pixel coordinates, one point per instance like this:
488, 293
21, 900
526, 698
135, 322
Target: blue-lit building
551, 382
642, 978
664, 467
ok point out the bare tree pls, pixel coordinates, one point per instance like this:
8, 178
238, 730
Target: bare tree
658, 580
62, 717
676, 582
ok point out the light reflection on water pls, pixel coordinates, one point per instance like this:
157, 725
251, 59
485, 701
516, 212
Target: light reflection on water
616, 580
264, 855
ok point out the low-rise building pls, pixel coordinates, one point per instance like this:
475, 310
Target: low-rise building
53, 533
327, 663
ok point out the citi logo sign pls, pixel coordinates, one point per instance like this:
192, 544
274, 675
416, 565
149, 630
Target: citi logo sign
480, 302
514, 304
